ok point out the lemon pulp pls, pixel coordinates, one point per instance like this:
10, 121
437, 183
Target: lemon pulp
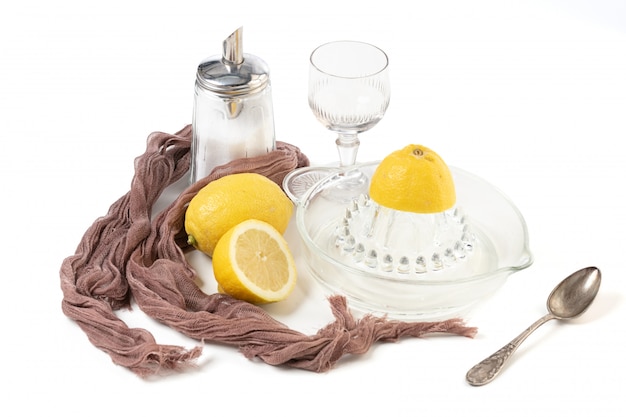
252, 262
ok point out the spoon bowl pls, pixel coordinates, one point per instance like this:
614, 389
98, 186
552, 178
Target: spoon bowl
573, 296
569, 299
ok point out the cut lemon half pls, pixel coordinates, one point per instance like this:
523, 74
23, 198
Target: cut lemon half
415, 179
252, 262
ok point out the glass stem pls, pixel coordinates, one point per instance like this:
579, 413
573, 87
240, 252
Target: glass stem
347, 146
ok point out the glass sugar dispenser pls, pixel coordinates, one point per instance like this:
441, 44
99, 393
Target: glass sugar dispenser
233, 114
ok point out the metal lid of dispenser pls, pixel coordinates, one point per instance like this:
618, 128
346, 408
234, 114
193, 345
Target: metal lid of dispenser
233, 73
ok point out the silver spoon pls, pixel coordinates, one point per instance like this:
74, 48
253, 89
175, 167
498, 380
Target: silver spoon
567, 300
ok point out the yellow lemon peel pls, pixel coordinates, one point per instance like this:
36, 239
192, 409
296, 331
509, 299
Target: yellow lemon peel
230, 200
414, 179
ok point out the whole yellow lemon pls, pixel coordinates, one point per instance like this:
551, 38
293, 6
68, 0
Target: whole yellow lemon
230, 200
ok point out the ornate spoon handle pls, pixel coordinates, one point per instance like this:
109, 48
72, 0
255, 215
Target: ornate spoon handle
486, 370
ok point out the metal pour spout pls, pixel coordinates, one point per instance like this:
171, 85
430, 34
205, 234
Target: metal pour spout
232, 49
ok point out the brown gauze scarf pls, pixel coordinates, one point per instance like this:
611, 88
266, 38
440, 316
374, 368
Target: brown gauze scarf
127, 255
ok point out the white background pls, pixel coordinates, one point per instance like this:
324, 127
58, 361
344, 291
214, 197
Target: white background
530, 96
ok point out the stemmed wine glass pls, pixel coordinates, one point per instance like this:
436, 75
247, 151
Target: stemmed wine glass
349, 94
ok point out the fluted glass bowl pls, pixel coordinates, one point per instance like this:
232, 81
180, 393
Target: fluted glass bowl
373, 256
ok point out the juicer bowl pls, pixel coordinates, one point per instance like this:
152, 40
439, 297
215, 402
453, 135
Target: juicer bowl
409, 266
